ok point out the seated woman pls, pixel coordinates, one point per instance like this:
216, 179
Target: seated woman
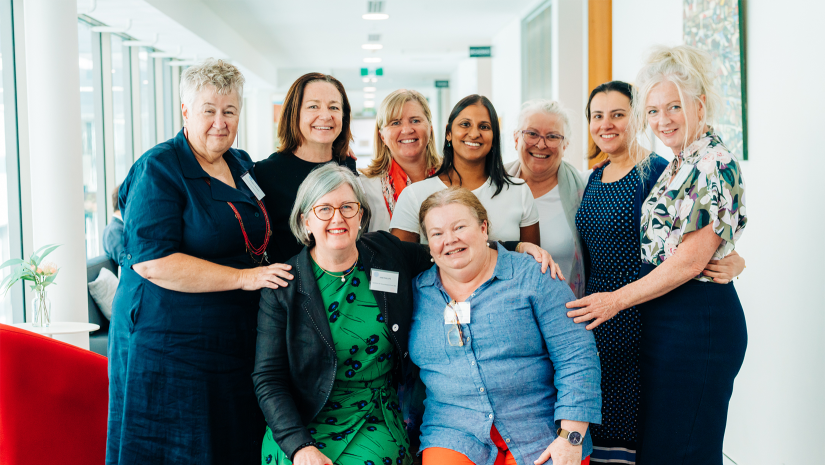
332, 346
506, 373
472, 159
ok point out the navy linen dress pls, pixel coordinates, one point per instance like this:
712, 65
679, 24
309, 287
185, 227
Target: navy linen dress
180, 366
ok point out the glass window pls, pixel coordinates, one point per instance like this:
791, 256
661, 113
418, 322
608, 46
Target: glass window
537, 54
89, 147
147, 100
6, 313
120, 108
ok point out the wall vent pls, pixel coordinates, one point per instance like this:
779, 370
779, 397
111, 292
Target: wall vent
375, 6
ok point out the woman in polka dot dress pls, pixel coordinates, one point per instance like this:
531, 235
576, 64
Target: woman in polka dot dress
608, 221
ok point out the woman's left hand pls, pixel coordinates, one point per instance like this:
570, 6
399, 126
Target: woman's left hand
598, 307
562, 453
724, 270
542, 256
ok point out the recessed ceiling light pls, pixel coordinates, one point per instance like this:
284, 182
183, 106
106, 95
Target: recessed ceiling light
374, 79
369, 103
369, 89
375, 16
369, 95
372, 46
372, 60
366, 79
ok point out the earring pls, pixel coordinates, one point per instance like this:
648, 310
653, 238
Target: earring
448, 143
309, 237
432, 260
359, 227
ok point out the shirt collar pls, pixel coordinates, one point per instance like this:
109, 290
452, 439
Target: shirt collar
502, 271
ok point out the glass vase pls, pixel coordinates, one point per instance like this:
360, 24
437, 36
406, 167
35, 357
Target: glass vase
42, 309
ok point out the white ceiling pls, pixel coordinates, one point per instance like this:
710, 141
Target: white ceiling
274, 41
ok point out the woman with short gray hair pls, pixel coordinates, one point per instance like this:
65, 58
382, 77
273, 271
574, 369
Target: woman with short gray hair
183, 329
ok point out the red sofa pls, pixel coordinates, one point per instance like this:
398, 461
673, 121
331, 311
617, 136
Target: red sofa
53, 401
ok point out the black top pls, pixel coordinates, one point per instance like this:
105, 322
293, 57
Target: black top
113, 239
295, 361
279, 176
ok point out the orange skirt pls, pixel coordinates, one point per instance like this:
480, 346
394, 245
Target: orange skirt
443, 456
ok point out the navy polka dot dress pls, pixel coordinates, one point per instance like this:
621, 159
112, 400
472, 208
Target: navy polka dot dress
606, 223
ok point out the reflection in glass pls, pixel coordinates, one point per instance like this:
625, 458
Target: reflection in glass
87, 131
120, 92
5, 249
147, 100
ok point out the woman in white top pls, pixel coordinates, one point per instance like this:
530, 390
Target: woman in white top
404, 153
472, 159
556, 185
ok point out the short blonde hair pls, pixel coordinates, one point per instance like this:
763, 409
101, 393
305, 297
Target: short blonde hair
689, 69
390, 110
450, 196
222, 75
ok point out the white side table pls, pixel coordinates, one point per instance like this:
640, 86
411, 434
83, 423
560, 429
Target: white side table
60, 328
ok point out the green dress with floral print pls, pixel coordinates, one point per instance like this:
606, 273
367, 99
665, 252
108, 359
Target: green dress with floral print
361, 422
703, 185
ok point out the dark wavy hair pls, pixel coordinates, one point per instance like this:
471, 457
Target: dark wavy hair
612, 86
493, 164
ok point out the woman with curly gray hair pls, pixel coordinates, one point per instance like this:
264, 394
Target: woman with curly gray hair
183, 330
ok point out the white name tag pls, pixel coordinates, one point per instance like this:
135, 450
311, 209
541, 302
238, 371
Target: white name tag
253, 186
680, 178
462, 309
385, 281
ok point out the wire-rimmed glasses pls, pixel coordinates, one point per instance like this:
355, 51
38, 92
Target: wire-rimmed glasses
550, 140
455, 336
326, 212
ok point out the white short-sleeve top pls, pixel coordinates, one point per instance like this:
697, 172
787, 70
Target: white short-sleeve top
513, 208
380, 216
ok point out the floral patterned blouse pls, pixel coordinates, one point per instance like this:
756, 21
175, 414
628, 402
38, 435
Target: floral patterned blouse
707, 189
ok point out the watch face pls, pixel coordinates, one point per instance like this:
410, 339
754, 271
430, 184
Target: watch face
575, 438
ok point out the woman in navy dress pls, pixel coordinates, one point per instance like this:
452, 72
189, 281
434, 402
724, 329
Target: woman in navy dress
608, 221
182, 340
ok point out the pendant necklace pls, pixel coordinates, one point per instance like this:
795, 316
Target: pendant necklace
342, 276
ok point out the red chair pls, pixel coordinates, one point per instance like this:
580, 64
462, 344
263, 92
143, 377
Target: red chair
53, 401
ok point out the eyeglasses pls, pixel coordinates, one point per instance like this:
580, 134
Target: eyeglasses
550, 140
455, 336
326, 212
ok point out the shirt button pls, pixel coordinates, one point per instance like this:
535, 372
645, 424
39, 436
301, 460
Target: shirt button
491, 415
473, 362
481, 390
394, 328
129, 256
257, 215
507, 440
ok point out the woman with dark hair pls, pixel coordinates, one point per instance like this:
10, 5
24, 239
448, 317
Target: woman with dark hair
472, 159
314, 130
608, 222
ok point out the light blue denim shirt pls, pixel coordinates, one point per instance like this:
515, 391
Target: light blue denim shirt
524, 367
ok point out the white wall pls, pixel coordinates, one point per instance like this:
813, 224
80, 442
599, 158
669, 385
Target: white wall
471, 76
260, 127
506, 83
570, 73
778, 392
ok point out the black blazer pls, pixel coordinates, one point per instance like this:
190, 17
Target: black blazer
295, 361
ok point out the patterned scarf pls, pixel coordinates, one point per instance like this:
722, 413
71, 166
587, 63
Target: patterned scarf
394, 182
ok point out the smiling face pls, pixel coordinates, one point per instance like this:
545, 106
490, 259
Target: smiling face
321, 113
471, 133
337, 233
212, 122
407, 137
674, 123
539, 158
609, 117
456, 239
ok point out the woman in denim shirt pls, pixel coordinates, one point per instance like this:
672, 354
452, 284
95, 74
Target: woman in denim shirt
506, 372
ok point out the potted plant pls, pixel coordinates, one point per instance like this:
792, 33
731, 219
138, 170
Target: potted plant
41, 274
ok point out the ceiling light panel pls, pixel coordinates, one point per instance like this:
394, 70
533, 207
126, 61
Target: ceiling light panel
372, 46
369, 89
372, 60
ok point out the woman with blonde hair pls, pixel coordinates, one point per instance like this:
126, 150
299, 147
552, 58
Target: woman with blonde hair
405, 153
694, 337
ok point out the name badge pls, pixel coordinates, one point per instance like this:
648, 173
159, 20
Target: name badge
252, 185
680, 178
385, 281
462, 309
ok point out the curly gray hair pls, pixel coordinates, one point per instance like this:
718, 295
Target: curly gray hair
221, 75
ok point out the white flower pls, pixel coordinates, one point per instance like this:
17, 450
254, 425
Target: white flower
671, 243
707, 164
685, 208
698, 145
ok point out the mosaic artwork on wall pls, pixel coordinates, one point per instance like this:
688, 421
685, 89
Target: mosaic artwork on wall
716, 26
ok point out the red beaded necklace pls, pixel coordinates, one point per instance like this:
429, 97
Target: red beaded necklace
253, 251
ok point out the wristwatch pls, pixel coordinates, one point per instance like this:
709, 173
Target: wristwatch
574, 437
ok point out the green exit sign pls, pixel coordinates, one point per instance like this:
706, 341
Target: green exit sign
442, 84
481, 52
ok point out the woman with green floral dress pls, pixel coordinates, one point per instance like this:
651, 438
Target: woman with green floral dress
694, 334
332, 346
